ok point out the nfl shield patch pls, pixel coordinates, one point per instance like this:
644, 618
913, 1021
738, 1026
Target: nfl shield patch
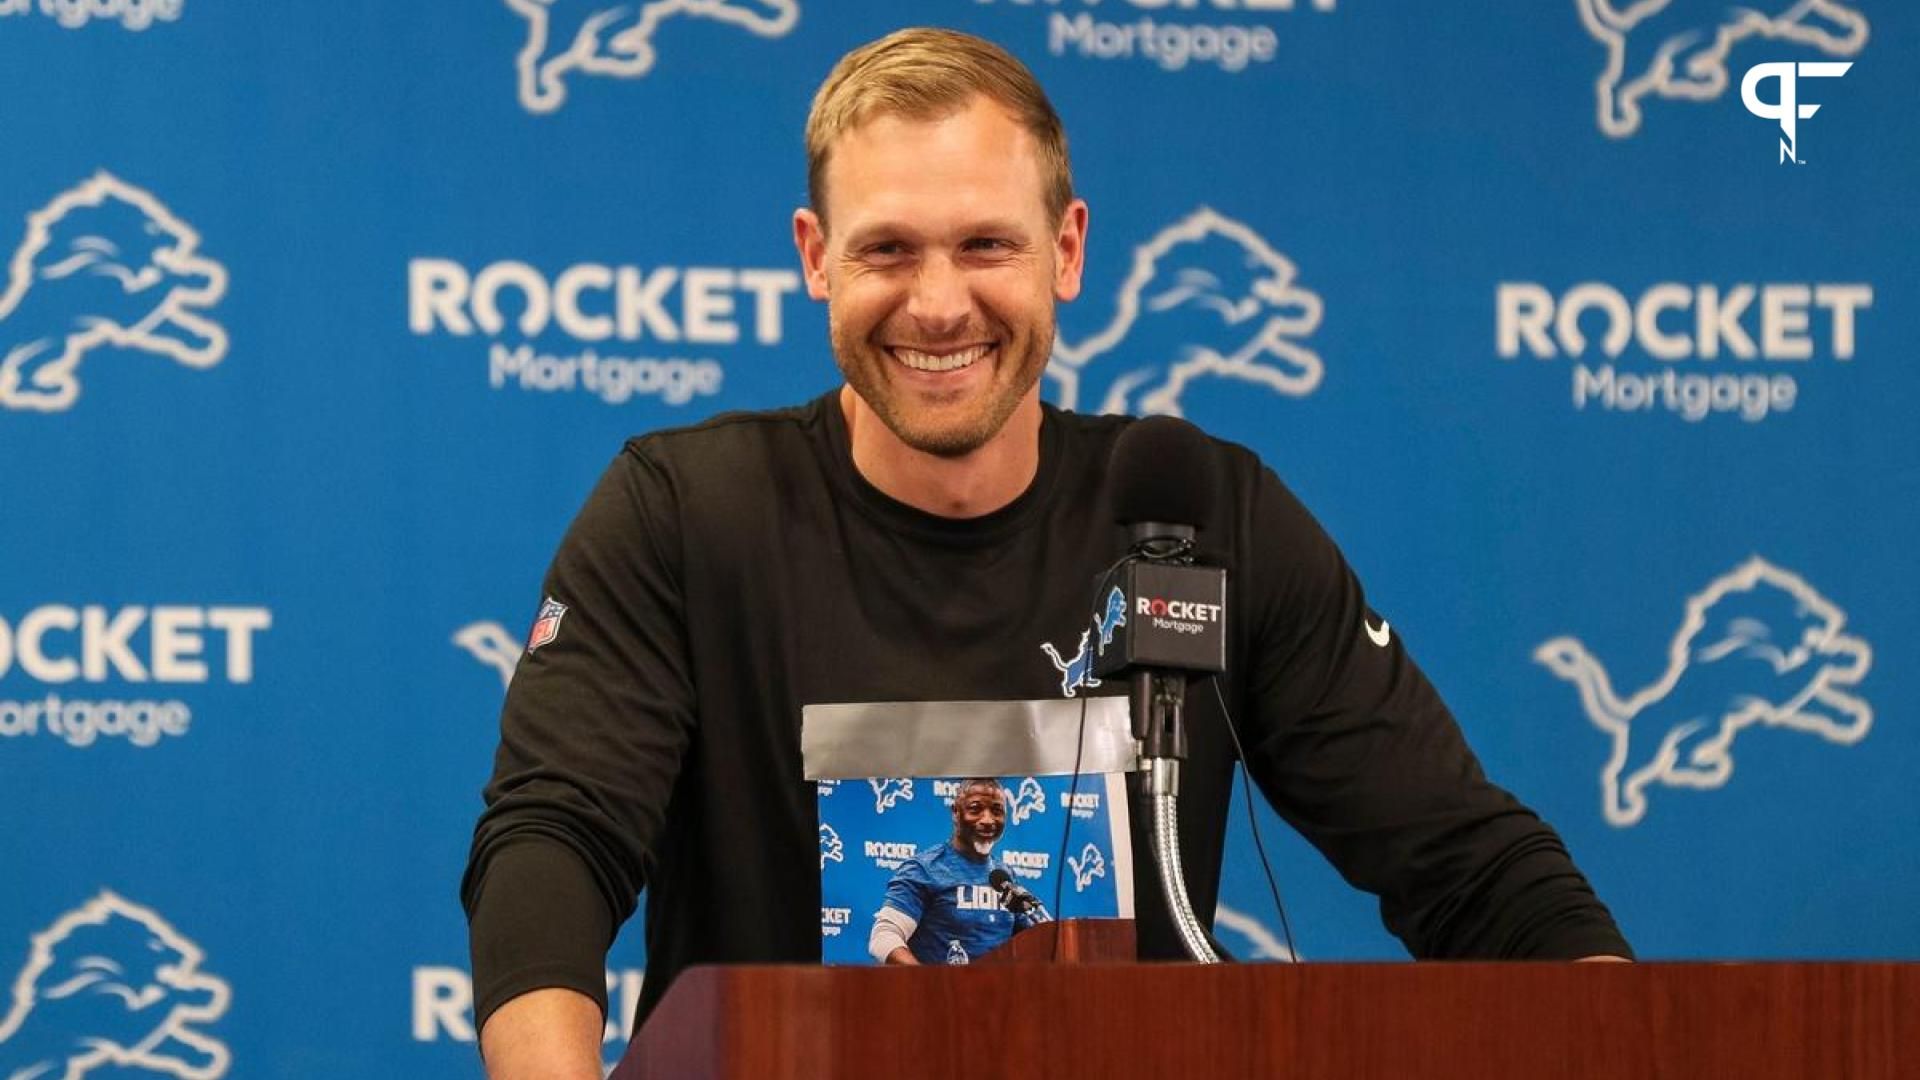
546, 625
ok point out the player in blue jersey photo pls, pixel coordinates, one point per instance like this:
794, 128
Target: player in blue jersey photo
954, 901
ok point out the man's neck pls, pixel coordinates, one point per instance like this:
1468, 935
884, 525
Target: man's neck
967, 486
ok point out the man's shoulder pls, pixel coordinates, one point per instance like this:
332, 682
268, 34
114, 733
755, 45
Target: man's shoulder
1095, 434
737, 429
924, 864
736, 451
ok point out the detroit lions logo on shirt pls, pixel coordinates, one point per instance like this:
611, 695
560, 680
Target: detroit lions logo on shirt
1078, 672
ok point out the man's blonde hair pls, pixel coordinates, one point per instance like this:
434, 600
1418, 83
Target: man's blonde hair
924, 73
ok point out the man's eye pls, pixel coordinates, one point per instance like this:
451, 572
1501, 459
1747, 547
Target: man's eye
987, 243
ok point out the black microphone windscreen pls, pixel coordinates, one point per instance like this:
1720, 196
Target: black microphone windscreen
999, 878
1160, 468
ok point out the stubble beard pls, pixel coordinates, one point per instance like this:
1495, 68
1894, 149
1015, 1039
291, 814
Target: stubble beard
864, 366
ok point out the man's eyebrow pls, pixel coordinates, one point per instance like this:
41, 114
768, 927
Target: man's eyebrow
897, 230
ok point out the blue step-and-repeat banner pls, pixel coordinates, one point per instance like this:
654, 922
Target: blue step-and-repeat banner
1587, 327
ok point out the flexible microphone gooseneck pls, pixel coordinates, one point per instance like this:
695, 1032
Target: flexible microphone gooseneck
1171, 625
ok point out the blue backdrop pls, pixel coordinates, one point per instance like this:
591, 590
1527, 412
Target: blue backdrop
321, 318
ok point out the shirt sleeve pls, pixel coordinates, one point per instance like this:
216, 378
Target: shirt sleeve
1353, 746
907, 892
596, 721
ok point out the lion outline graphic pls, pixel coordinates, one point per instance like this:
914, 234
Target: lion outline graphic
1029, 800
1091, 864
490, 643
72, 288
598, 37
1725, 673
1677, 49
83, 965
832, 848
889, 791
1246, 289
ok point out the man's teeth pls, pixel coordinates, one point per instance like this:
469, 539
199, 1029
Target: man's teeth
920, 361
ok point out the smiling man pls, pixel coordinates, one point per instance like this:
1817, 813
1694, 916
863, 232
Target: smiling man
953, 232
927, 533
941, 906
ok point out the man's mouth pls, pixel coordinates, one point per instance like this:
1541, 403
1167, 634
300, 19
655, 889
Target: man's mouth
945, 360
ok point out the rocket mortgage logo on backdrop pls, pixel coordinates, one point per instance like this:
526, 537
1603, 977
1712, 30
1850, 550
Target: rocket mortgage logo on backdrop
558, 333
1679, 50
595, 37
103, 263
133, 665
1757, 646
1689, 350
1173, 35
74, 14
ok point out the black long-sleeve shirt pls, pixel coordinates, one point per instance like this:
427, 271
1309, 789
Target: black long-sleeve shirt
723, 576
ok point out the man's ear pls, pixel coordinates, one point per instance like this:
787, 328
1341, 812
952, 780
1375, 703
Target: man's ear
810, 240
1070, 251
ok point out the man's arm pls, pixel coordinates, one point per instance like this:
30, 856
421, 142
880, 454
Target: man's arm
1353, 746
900, 913
891, 930
591, 737
552, 1034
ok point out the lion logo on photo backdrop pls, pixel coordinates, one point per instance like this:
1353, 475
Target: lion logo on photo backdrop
601, 38
113, 984
1757, 645
1207, 297
1029, 800
103, 263
890, 791
1678, 48
1089, 865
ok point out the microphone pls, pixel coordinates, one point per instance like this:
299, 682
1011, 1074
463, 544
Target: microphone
1160, 464
1015, 898
1162, 614
1161, 620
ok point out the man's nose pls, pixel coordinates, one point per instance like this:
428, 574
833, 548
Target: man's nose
939, 302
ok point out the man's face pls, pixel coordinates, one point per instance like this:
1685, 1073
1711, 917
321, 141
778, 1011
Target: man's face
941, 271
979, 817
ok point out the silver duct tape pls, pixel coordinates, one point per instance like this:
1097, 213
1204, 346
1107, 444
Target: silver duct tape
965, 738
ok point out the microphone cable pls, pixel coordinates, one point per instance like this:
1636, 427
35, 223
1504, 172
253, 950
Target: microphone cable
1102, 584
1253, 819
1092, 628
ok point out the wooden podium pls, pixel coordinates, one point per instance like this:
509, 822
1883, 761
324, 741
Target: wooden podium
1527, 1021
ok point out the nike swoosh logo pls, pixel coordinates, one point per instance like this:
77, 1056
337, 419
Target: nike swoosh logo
1380, 637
